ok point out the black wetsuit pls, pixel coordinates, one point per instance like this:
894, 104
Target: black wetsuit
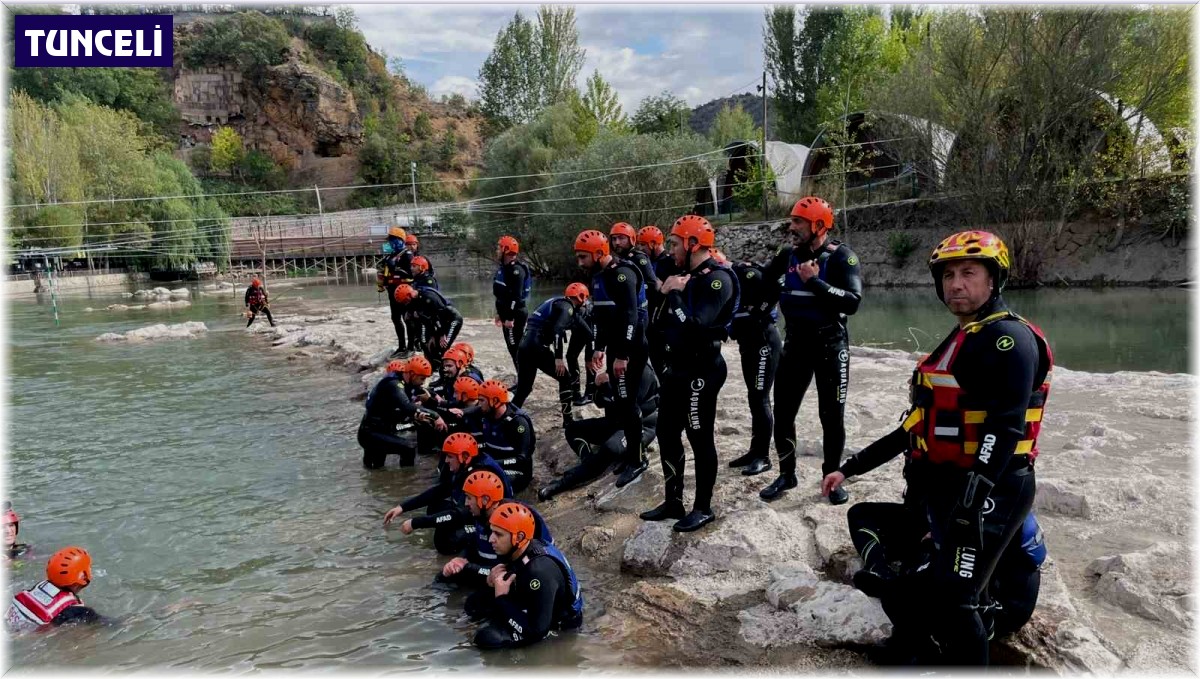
445, 499
582, 343
388, 404
760, 348
693, 323
543, 597
439, 318
510, 440
257, 302
417, 338
510, 286
663, 266
395, 269
620, 325
548, 326
817, 343
599, 441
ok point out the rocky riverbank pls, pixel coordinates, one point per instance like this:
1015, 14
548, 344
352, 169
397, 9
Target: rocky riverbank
767, 585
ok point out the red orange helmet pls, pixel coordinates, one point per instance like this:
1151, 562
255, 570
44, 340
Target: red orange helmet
419, 366
411, 240
623, 229
420, 264
485, 487
650, 236
466, 389
405, 293
508, 244
466, 349
592, 242
10, 516
494, 392
256, 283
397, 366
69, 566
515, 518
456, 356
577, 293
461, 446
694, 226
817, 211
720, 257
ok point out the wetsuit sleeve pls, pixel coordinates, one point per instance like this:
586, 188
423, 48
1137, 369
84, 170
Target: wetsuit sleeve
404, 405
707, 301
624, 294
648, 275
248, 296
77, 615
778, 265
527, 611
454, 515
604, 395
439, 491
842, 290
474, 574
878, 453
402, 266
450, 321
524, 441
562, 318
514, 285
999, 382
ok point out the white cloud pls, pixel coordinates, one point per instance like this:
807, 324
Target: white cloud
455, 84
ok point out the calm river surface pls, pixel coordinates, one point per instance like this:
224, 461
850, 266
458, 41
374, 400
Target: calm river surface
220, 491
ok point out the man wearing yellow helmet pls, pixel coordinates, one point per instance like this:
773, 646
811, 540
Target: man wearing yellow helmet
395, 268
971, 435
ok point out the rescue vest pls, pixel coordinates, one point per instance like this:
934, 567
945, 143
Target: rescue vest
391, 271
730, 309
37, 607
257, 297
601, 298
796, 301
754, 313
500, 286
942, 429
537, 549
500, 448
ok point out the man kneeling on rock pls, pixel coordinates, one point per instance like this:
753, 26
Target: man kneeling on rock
484, 492
533, 590
600, 441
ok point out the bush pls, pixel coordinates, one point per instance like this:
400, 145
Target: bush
422, 128
901, 245
250, 40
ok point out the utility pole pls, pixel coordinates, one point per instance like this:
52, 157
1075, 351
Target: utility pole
762, 149
413, 168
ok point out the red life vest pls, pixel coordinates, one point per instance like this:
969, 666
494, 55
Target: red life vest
257, 297
37, 607
941, 428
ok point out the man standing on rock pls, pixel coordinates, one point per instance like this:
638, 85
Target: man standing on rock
257, 302
620, 349
760, 347
694, 321
977, 409
394, 269
511, 286
820, 288
662, 265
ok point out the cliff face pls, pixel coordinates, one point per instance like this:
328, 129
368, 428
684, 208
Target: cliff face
295, 113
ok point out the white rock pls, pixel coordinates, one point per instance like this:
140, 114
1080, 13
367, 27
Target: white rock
159, 331
647, 550
804, 609
1082, 651
181, 292
1055, 496
1150, 583
169, 304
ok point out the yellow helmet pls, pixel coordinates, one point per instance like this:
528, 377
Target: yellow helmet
398, 232
982, 245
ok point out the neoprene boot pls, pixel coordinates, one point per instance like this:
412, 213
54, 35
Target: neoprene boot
778, 487
695, 520
671, 509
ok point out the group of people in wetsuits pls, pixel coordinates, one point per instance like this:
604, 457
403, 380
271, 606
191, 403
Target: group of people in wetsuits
954, 562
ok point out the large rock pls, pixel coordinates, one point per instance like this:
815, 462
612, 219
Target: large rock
1151, 583
169, 304
834, 549
1081, 650
160, 331
647, 551
804, 609
645, 492
1055, 496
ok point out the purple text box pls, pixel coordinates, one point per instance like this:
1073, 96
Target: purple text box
137, 40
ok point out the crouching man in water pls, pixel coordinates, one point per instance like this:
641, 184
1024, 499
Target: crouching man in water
484, 493
534, 589
445, 498
392, 402
55, 601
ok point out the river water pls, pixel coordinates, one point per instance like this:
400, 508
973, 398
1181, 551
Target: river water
219, 488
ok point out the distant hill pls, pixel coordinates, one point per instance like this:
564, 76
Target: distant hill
704, 115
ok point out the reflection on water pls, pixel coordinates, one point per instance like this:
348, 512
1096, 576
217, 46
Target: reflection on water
219, 486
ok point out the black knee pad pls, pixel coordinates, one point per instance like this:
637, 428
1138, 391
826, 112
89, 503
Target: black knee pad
373, 460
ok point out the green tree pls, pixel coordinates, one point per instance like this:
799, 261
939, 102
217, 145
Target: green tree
528, 150
251, 41
227, 150
531, 66
597, 109
732, 124
783, 65
661, 113
144, 92
422, 127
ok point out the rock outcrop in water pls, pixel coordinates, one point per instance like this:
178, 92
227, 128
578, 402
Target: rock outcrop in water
187, 330
768, 585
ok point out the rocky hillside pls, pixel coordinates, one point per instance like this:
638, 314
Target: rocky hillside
316, 99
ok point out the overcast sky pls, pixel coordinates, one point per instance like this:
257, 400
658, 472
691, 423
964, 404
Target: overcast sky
699, 52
